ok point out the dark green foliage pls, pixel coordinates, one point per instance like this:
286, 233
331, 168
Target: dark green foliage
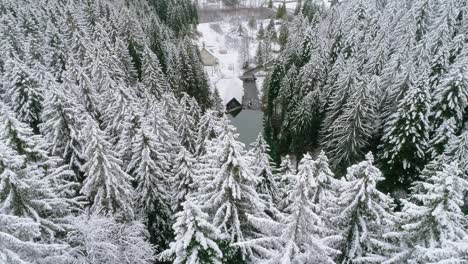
404, 149
281, 13
272, 112
231, 3
193, 78
179, 15
283, 35
311, 9
132, 50
261, 32
252, 23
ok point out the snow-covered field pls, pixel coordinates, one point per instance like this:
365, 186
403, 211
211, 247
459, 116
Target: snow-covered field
223, 40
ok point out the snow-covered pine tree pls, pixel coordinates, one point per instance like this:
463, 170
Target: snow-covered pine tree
194, 81
297, 235
85, 91
351, 131
433, 225
365, 215
325, 194
24, 92
22, 139
446, 26
117, 106
185, 174
101, 239
125, 60
260, 163
33, 189
150, 170
152, 77
170, 108
261, 32
441, 137
217, 102
260, 55
457, 150
196, 238
348, 81
229, 195
28, 207
283, 35
208, 129
106, 185
450, 97
61, 128
406, 138
287, 173
186, 124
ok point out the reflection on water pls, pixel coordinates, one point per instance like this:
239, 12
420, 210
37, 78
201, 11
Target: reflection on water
248, 123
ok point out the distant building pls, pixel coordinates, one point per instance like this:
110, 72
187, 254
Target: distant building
207, 58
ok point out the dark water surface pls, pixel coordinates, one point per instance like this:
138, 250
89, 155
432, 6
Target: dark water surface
249, 123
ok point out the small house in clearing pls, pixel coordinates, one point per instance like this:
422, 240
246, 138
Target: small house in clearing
207, 58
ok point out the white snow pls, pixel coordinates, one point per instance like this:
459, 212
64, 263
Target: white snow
230, 88
223, 41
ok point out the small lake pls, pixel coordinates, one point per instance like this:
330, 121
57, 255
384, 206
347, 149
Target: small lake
249, 123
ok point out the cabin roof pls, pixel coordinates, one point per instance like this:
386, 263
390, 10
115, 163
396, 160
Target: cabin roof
230, 88
207, 58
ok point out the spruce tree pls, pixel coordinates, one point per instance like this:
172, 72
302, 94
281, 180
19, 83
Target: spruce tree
152, 76
325, 194
433, 225
218, 104
297, 237
451, 95
229, 196
185, 174
260, 55
186, 124
260, 162
102, 239
208, 129
32, 210
352, 130
85, 92
61, 128
365, 215
441, 137
196, 238
406, 138
287, 173
24, 92
283, 35
106, 185
261, 32
149, 168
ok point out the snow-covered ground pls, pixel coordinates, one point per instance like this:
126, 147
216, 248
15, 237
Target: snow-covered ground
222, 39
230, 88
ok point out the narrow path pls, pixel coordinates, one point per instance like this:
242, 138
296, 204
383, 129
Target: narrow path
250, 99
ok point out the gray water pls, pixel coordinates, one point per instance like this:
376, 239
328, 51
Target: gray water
249, 123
